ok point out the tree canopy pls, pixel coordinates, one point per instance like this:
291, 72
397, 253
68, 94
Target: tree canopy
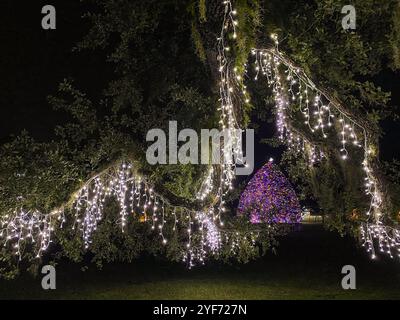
164, 67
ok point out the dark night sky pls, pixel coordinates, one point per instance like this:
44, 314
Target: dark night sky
33, 61
390, 144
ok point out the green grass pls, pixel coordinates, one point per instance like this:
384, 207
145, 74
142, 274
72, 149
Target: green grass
307, 267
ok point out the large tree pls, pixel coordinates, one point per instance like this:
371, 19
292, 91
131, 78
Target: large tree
165, 63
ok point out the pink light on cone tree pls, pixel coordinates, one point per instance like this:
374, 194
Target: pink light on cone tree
270, 198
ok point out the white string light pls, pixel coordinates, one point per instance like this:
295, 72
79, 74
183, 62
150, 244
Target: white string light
319, 117
386, 238
207, 185
24, 226
325, 111
134, 194
293, 86
228, 122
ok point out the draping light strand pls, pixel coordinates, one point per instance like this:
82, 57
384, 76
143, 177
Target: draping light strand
231, 80
207, 185
210, 239
24, 226
268, 66
228, 122
133, 193
320, 112
386, 238
235, 241
135, 197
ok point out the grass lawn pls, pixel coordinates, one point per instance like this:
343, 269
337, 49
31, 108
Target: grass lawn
308, 266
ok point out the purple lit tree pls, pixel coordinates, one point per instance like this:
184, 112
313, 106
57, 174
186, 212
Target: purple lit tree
269, 197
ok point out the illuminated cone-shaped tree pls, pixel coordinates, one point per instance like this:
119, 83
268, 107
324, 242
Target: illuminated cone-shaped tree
270, 198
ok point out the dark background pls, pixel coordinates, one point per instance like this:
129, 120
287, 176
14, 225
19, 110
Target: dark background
34, 61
